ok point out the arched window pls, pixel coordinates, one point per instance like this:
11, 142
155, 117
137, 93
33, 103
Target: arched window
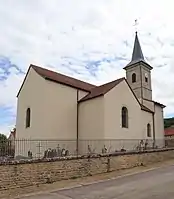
124, 113
148, 130
28, 117
146, 77
134, 78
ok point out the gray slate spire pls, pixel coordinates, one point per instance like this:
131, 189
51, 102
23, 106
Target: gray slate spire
137, 54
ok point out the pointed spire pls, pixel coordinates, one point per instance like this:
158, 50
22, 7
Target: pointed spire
137, 54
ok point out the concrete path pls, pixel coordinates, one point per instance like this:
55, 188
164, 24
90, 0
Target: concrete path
153, 184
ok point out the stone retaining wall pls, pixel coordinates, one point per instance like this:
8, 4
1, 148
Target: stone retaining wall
26, 173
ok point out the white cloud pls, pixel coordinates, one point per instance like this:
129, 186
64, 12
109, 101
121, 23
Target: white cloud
55, 32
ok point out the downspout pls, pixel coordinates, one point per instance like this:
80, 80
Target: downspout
153, 118
77, 138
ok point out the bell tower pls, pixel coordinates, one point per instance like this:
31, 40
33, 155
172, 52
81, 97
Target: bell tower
138, 73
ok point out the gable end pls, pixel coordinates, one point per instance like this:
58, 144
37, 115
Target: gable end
23, 81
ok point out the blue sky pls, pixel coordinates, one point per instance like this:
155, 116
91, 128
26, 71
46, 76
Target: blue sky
86, 39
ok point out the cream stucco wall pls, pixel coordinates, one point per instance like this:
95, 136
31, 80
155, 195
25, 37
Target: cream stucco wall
115, 99
61, 111
146, 118
53, 114
91, 125
53, 109
91, 119
31, 96
159, 126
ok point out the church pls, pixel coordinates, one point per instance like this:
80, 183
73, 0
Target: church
52, 106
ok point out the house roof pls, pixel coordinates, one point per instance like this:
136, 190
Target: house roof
169, 131
63, 79
12, 133
101, 90
156, 103
159, 104
59, 78
144, 108
94, 91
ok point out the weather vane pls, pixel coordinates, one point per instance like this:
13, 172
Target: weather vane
136, 24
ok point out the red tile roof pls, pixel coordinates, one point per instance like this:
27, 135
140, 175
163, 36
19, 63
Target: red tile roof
144, 108
94, 91
101, 90
157, 103
169, 131
59, 78
63, 79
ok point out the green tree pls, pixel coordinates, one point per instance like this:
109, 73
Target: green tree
3, 137
168, 122
3, 144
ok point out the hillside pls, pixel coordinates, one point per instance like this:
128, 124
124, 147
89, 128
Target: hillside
168, 122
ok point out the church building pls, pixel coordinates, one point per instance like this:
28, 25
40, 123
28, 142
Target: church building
52, 106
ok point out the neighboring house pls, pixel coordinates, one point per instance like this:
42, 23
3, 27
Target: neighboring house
169, 132
54, 106
12, 135
11, 142
169, 136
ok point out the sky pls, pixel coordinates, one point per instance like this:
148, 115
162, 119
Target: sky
91, 40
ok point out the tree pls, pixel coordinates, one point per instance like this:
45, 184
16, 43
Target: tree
168, 122
3, 137
3, 144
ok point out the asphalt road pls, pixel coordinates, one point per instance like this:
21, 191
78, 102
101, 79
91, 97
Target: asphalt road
154, 184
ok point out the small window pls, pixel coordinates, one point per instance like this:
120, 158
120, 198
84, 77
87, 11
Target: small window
146, 77
148, 130
124, 113
133, 77
28, 115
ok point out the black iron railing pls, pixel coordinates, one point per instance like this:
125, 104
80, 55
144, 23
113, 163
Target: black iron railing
27, 148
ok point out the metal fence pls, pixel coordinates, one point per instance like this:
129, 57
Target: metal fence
24, 149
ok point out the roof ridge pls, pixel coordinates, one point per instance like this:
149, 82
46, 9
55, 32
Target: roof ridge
58, 78
58, 73
111, 82
157, 103
63, 79
102, 89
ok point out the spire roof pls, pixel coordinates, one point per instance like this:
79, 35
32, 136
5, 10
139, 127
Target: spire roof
137, 54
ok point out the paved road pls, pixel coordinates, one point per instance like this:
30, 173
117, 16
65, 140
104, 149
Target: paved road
154, 184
